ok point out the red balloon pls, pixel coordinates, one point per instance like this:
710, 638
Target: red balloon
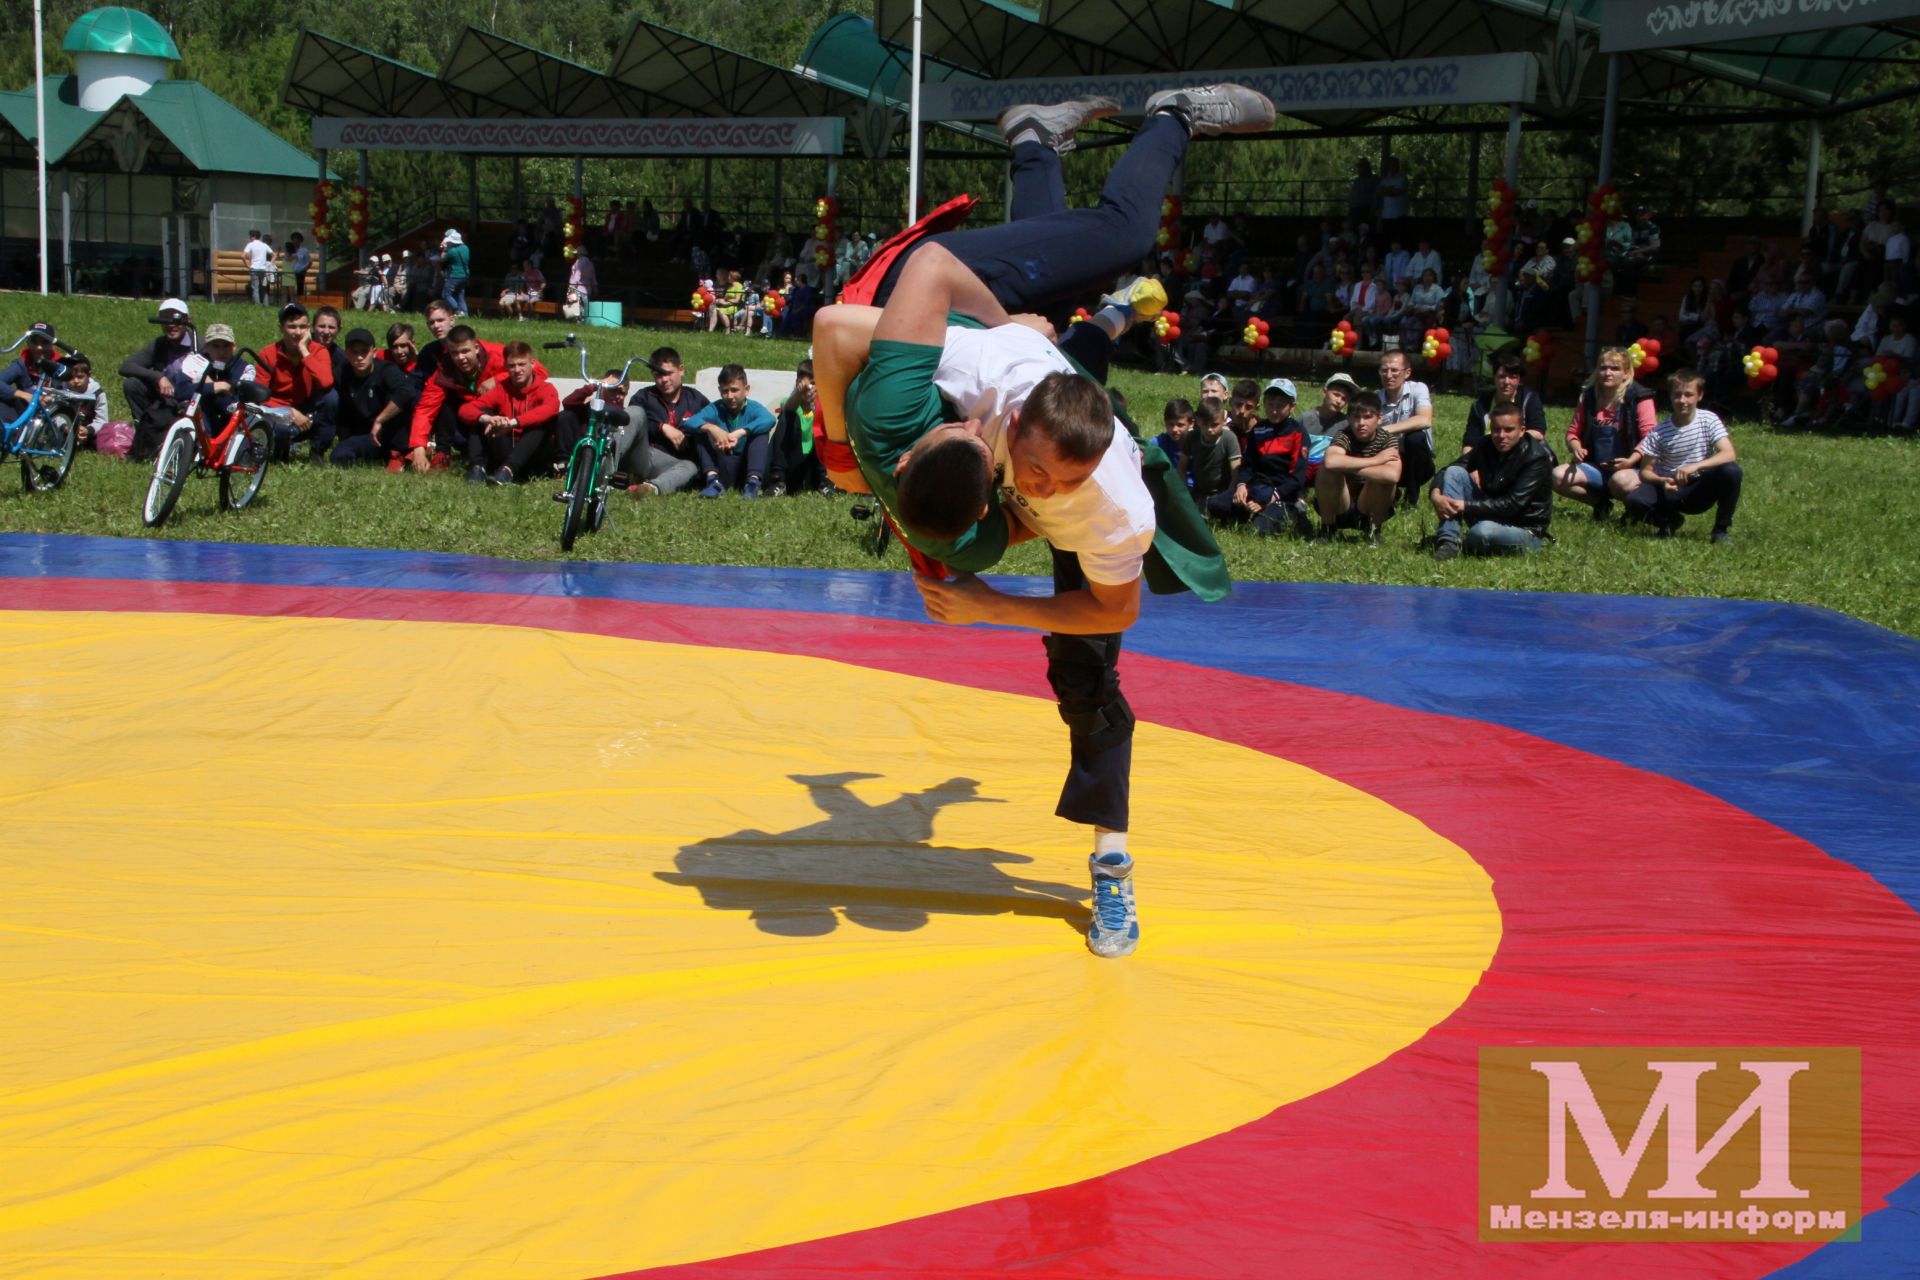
1441, 334
1650, 365
1260, 342
1650, 345
1890, 363
1769, 371
1260, 324
1772, 356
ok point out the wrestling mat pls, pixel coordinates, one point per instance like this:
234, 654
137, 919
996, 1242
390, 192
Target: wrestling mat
392, 915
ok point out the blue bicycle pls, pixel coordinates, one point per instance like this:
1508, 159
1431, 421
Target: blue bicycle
45, 434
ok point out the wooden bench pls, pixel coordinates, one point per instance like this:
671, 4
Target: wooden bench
660, 315
231, 278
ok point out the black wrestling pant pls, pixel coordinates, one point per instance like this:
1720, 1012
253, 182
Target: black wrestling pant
1082, 671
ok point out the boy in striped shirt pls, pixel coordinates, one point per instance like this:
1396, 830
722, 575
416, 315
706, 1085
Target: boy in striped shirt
1688, 465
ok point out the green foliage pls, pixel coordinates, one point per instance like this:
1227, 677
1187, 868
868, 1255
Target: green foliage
1823, 521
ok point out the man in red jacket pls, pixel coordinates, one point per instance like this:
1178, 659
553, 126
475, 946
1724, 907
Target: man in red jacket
466, 368
508, 426
299, 375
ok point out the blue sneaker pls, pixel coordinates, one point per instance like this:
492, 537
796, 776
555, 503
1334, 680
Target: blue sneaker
753, 488
1115, 931
713, 489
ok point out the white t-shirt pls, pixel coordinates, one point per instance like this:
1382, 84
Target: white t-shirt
259, 255
1899, 247
1108, 521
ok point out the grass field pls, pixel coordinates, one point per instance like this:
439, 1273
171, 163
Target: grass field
1825, 521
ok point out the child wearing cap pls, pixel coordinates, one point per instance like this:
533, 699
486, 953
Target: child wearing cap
18, 380
1272, 475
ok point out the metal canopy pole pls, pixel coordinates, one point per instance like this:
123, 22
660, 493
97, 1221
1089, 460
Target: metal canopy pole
1502, 291
1813, 175
40, 138
66, 231
913, 119
321, 248
1609, 121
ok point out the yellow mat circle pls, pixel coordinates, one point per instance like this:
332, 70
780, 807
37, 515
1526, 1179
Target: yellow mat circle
399, 949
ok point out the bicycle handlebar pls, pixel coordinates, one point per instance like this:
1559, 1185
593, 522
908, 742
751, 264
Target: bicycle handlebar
21, 340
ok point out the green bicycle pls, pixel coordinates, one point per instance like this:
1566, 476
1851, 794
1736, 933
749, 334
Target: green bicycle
590, 464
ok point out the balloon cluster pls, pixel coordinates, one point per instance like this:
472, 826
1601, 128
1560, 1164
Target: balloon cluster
702, 297
825, 211
1602, 203
1254, 336
1344, 339
1762, 365
357, 217
1081, 315
773, 303
1166, 327
1884, 377
1645, 355
1191, 262
1168, 236
1538, 352
1496, 251
322, 210
574, 230
1436, 346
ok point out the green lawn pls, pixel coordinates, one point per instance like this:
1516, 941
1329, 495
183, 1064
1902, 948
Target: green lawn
1827, 521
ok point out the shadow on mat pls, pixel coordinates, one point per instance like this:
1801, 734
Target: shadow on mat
867, 863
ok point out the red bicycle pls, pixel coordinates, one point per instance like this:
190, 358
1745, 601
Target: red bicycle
237, 451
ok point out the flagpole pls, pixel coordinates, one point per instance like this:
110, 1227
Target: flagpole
40, 137
913, 120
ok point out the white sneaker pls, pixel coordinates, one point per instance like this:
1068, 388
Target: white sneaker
1216, 108
1054, 124
1115, 930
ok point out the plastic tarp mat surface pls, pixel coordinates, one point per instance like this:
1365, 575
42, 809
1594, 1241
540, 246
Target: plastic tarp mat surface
376, 914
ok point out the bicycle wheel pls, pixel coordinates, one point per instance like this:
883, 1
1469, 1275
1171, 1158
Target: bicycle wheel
583, 474
52, 459
245, 468
170, 472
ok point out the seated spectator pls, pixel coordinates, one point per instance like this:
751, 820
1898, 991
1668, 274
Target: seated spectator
1212, 453
376, 405
512, 285
667, 407
571, 424
1693, 309
793, 463
326, 332
153, 402
1240, 290
298, 372
1501, 490
511, 422
1426, 258
1370, 306
400, 351
1873, 318
1424, 304
1407, 412
1358, 477
1213, 386
1177, 424
1644, 253
1323, 422
1243, 409
732, 437
1397, 265
1764, 306
1825, 390
1746, 270
747, 319
1903, 411
1536, 287
533, 288
613, 231
92, 414
1630, 329
217, 383
1272, 475
1509, 387
1614, 414
1689, 465
1899, 263
466, 368
726, 303
1806, 302
400, 282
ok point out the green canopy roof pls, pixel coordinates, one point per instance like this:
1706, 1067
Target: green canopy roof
191, 128
117, 30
